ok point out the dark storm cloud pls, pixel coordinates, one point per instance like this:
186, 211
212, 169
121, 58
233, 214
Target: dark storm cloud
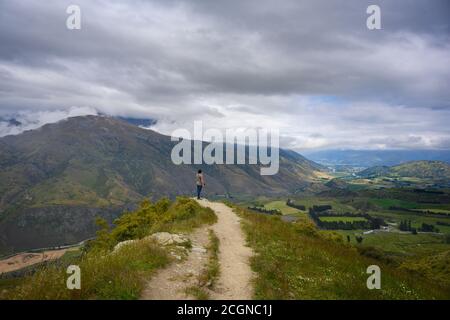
236, 63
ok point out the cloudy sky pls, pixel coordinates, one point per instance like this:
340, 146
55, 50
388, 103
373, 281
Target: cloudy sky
310, 68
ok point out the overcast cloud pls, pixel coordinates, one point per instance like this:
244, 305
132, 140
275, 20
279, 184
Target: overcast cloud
310, 68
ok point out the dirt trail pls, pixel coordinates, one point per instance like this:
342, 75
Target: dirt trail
170, 283
235, 273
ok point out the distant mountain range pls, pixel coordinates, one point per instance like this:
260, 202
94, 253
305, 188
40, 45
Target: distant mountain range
371, 158
434, 170
56, 179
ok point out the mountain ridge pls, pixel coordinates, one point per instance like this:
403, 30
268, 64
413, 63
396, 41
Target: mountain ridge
426, 169
100, 163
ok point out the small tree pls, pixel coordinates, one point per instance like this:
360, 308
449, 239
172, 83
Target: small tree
104, 240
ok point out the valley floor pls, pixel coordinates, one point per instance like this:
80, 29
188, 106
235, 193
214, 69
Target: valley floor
23, 260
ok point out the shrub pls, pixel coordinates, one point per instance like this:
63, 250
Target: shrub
332, 236
374, 253
306, 227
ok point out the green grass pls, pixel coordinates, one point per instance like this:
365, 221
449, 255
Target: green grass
337, 205
281, 205
198, 293
386, 203
296, 261
400, 244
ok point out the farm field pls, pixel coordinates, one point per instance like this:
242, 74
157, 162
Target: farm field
338, 206
402, 244
379, 204
281, 205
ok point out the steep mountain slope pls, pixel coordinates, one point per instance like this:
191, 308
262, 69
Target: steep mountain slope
92, 165
423, 169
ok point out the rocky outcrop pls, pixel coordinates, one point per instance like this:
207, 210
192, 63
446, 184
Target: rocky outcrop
163, 238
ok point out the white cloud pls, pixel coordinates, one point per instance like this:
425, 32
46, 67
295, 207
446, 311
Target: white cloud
34, 120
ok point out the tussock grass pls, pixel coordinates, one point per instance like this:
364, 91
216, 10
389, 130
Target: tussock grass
198, 293
202, 216
297, 261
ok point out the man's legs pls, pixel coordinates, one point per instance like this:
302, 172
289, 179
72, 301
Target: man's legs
199, 190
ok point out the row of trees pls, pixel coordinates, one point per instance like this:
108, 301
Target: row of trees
265, 210
342, 225
428, 228
405, 225
292, 204
442, 223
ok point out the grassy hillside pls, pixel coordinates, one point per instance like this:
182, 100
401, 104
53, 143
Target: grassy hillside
297, 261
423, 169
119, 274
436, 170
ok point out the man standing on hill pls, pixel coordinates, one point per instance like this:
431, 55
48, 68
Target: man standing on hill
200, 181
